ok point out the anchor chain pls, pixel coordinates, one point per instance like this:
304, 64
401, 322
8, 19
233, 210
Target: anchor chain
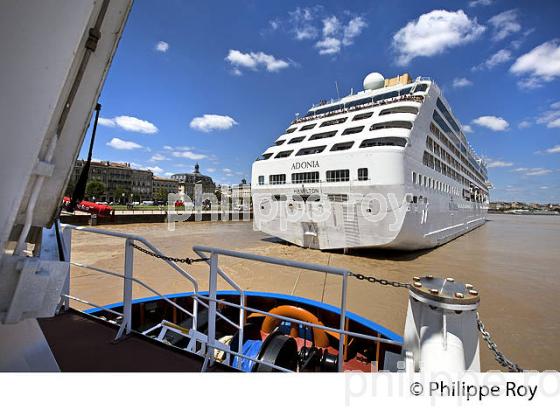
188, 261
498, 355
384, 282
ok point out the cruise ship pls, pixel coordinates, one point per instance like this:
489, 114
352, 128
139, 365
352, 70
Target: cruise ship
386, 167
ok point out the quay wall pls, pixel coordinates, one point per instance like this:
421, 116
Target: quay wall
117, 219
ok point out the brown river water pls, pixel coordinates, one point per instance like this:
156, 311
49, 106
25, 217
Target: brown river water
513, 260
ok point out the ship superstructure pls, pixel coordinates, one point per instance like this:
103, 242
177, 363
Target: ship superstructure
387, 167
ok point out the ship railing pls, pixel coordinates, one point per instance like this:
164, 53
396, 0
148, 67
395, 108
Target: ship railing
407, 97
212, 254
205, 344
128, 277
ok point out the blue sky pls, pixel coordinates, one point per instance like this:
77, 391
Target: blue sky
216, 82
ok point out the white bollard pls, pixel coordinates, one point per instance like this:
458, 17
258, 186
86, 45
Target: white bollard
441, 333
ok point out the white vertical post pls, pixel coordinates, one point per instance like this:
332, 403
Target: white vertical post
127, 288
241, 326
212, 290
342, 322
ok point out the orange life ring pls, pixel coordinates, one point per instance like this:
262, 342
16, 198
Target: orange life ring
270, 323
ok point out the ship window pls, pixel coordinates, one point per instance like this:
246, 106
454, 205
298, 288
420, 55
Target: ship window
307, 127
277, 179
333, 122
261, 179
338, 175
353, 130
329, 109
391, 124
414, 178
290, 130
338, 197
261, 158
279, 142
405, 109
311, 150
279, 197
447, 115
362, 101
362, 116
284, 154
386, 141
295, 140
362, 174
322, 135
421, 88
342, 146
305, 177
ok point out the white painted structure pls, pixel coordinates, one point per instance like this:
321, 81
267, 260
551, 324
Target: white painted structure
399, 147
56, 54
441, 334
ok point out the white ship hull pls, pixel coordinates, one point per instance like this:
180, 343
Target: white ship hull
410, 226
406, 181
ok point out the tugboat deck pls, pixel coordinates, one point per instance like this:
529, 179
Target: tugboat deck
83, 343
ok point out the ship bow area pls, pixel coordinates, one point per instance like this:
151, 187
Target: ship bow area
334, 214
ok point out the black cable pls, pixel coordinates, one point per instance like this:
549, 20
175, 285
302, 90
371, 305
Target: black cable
80, 188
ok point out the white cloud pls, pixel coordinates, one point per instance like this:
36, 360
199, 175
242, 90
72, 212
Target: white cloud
254, 61
331, 26
329, 45
474, 3
162, 46
499, 57
336, 35
301, 22
467, 129
504, 24
211, 170
128, 123
210, 122
188, 155
554, 150
530, 172
492, 122
331, 32
498, 164
541, 64
158, 157
524, 124
461, 82
551, 117
117, 143
353, 29
433, 33
156, 170
106, 122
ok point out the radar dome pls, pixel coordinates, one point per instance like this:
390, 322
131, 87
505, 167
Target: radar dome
373, 81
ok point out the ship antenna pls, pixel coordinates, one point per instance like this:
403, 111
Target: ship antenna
336, 85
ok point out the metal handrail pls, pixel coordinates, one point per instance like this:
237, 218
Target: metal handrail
214, 271
304, 323
128, 279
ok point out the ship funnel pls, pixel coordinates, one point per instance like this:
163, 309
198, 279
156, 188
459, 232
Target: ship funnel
373, 81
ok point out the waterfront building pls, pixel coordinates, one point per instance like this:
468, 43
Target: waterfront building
188, 181
121, 183
163, 187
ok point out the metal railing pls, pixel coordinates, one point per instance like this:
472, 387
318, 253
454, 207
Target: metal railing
128, 276
207, 343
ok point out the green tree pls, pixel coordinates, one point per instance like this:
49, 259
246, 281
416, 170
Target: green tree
119, 197
160, 195
95, 189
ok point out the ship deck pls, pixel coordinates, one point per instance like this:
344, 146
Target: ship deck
80, 343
